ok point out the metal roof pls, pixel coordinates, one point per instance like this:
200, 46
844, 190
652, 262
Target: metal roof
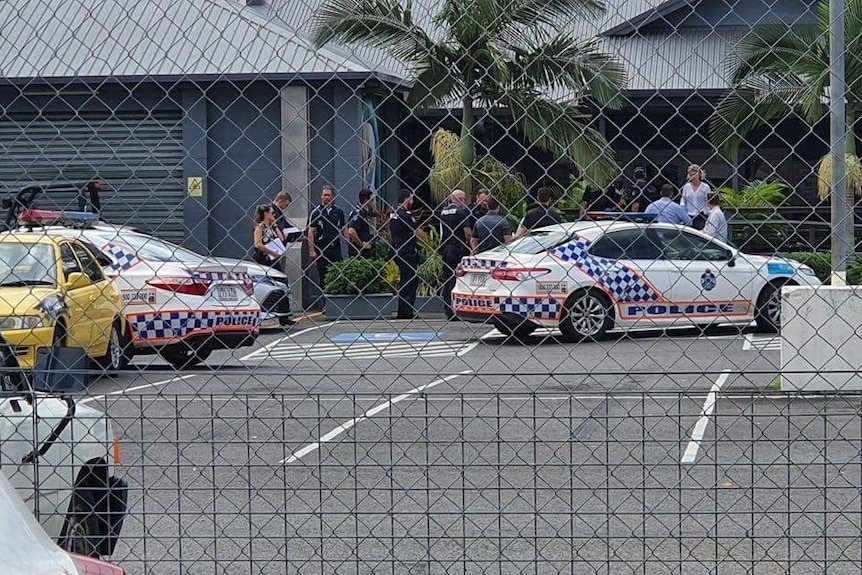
133, 38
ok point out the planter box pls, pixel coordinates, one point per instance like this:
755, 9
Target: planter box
372, 306
429, 305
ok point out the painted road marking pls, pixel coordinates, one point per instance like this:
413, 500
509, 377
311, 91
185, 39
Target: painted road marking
385, 336
137, 388
370, 413
374, 350
761, 342
268, 346
700, 427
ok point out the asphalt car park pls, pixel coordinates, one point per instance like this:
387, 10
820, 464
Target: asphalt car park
668, 444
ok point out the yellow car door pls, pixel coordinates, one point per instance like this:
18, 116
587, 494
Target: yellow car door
105, 307
80, 300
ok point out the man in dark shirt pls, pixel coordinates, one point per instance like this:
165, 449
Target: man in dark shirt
325, 225
359, 232
280, 204
540, 215
403, 228
491, 230
480, 208
455, 233
599, 200
643, 193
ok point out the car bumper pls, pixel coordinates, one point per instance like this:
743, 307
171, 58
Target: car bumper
26, 342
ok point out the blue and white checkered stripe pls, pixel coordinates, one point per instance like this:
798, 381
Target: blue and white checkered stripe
218, 276
481, 263
125, 259
621, 281
537, 308
178, 324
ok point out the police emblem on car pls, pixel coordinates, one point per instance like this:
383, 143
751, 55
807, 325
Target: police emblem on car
707, 280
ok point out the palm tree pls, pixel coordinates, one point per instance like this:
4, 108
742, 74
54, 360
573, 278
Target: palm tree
780, 70
495, 54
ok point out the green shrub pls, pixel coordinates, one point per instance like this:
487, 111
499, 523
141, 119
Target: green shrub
817, 261
354, 276
430, 275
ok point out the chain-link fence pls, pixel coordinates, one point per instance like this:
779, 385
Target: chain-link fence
374, 286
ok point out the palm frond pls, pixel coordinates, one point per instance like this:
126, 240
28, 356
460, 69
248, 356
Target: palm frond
381, 23
564, 131
536, 13
773, 49
853, 180
748, 107
570, 63
436, 81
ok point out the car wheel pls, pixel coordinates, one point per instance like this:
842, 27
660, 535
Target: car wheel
587, 317
182, 356
768, 311
118, 355
82, 526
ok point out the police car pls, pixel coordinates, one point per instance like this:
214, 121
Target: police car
589, 277
183, 311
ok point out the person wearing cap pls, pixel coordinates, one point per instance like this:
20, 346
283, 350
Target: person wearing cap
642, 191
694, 196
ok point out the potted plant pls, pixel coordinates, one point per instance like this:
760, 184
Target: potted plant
357, 288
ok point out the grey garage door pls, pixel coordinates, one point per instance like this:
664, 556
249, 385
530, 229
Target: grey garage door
139, 156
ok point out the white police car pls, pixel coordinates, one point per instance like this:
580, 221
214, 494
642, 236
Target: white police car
182, 310
589, 277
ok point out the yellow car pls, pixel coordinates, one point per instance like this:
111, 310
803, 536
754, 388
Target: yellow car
53, 292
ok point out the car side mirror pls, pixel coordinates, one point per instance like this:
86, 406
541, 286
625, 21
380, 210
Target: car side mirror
732, 261
77, 280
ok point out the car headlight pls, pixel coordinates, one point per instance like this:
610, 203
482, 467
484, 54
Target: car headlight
53, 306
20, 321
806, 271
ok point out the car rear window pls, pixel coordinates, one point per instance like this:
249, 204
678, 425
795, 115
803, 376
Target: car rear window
154, 249
535, 243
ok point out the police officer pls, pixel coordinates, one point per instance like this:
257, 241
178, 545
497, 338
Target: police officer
359, 231
456, 229
404, 230
325, 225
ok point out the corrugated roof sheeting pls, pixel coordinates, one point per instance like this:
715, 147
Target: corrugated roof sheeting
689, 59
133, 38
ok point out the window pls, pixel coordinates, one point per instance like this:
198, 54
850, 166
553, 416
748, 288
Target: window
70, 262
91, 266
630, 244
27, 264
682, 245
536, 242
151, 248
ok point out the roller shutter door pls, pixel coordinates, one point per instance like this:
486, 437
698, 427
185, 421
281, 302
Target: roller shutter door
139, 156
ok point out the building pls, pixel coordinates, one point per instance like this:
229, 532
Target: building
158, 97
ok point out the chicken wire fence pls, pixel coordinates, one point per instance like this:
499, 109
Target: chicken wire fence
628, 207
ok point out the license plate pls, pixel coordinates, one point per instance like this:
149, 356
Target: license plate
478, 280
226, 294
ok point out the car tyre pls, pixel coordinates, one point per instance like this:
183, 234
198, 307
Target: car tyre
82, 526
768, 311
119, 352
182, 357
587, 317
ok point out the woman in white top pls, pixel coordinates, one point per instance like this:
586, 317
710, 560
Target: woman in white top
694, 196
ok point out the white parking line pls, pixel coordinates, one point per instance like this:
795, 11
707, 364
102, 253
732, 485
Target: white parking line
268, 346
137, 388
700, 427
371, 412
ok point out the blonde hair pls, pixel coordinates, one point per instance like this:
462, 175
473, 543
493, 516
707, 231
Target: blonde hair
701, 174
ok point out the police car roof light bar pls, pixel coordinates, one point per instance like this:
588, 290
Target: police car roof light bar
48, 217
638, 217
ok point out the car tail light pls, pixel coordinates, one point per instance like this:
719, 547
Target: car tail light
517, 274
89, 566
184, 285
249, 286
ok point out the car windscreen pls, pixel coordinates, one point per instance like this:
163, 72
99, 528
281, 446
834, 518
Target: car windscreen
152, 249
535, 243
27, 264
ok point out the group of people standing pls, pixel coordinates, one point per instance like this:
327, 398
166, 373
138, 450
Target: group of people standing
698, 207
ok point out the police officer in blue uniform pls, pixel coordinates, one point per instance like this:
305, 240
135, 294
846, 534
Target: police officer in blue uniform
359, 232
456, 229
404, 230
